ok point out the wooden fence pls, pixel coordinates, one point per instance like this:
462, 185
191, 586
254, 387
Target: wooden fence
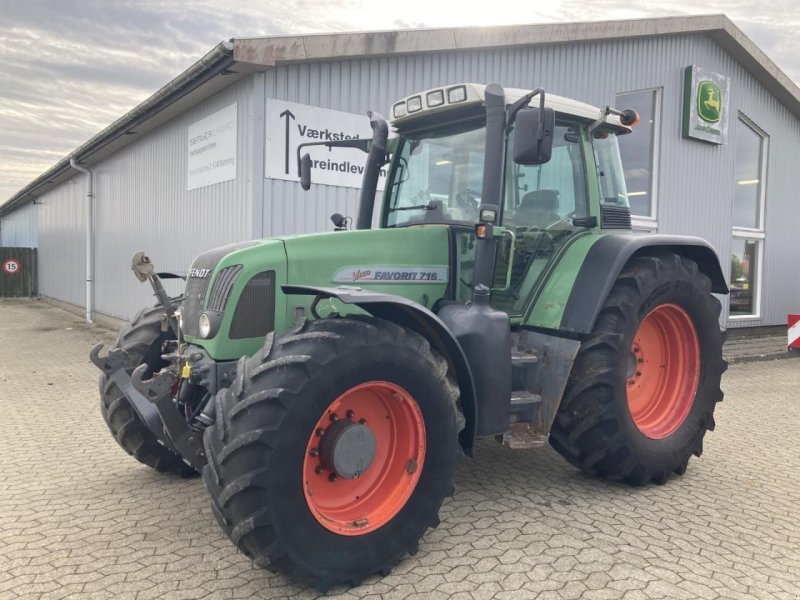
17, 272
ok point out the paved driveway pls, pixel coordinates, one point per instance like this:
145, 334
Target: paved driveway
79, 518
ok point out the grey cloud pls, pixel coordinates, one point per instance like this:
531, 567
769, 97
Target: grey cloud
70, 67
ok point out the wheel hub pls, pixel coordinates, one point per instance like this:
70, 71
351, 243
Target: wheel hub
347, 448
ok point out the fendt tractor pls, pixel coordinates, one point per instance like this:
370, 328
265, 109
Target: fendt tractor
326, 384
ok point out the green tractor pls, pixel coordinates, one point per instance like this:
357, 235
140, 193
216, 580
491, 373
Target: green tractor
325, 385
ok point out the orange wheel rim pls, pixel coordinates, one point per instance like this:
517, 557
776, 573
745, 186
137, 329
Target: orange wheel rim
663, 371
361, 502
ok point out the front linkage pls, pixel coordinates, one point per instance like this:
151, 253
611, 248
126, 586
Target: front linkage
154, 400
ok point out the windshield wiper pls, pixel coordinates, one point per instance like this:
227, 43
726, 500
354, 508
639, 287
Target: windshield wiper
416, 207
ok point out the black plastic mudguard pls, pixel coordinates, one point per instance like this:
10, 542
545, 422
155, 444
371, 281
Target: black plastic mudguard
608, 256
409, 314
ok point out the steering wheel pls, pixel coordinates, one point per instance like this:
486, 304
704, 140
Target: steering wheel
465, 200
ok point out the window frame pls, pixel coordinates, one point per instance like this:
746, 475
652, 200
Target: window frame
757, 234
649, 222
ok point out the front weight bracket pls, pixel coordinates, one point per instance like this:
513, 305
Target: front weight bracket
158, 393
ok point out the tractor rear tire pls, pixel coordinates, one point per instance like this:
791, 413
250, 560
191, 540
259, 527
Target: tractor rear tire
645, 383
271, 489
141, 340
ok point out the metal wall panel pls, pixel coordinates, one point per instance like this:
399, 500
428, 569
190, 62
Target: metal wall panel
695, 187
18, 229
62, 241
142, 203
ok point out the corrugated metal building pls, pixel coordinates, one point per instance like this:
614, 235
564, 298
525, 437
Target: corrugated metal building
738, 194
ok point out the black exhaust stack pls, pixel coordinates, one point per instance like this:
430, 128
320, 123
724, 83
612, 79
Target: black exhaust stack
372, 170
483, 332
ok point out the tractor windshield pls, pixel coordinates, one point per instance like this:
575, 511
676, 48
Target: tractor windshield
438, 177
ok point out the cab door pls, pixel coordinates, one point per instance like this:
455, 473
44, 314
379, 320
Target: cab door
539, 206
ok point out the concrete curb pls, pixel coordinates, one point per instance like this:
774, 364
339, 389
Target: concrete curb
735, 360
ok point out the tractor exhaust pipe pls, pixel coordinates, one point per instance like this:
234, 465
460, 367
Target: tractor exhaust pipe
372, 170
489, 210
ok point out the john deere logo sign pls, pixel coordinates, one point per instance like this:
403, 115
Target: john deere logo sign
705, 102
709, 101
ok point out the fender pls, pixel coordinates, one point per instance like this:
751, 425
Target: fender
606, 259
409, 314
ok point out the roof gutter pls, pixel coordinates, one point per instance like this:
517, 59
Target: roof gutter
210, 65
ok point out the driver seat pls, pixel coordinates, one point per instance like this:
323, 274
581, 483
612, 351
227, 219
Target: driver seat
538, 208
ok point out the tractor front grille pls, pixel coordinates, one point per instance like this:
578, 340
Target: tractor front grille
223, 284
197, 283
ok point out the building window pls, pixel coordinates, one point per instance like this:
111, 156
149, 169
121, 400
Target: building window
747, 245
639, 155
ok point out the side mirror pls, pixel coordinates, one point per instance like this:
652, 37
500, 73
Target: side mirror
305, 172
533, 137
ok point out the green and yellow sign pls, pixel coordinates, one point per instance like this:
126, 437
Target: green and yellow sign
705, 105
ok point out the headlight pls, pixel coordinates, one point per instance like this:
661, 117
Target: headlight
204, 325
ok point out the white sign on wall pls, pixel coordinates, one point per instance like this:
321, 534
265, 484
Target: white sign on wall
212, 149
289, 124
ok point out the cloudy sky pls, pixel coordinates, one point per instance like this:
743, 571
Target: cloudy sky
70, 67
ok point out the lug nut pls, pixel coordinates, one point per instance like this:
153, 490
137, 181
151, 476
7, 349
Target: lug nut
362, 421
350, 414
638, 373
334, 417
313, 452
332, 477
320, 431
319, 469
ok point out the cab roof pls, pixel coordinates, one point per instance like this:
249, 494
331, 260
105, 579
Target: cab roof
475, 94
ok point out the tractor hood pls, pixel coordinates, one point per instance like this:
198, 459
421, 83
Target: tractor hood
410, 261
238, 287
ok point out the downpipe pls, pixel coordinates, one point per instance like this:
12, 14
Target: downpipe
89, 238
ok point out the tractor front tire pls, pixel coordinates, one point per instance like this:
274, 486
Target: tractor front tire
645, 383
141, 340
334, 449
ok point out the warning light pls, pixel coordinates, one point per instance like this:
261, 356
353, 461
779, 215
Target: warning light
629, 117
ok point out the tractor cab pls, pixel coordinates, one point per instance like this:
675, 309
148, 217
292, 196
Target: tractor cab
557, 174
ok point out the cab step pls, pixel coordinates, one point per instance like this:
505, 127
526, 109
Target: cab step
521, 436
519, 357
521, 397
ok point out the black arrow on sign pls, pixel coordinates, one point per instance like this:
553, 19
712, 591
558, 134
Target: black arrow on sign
288, 114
